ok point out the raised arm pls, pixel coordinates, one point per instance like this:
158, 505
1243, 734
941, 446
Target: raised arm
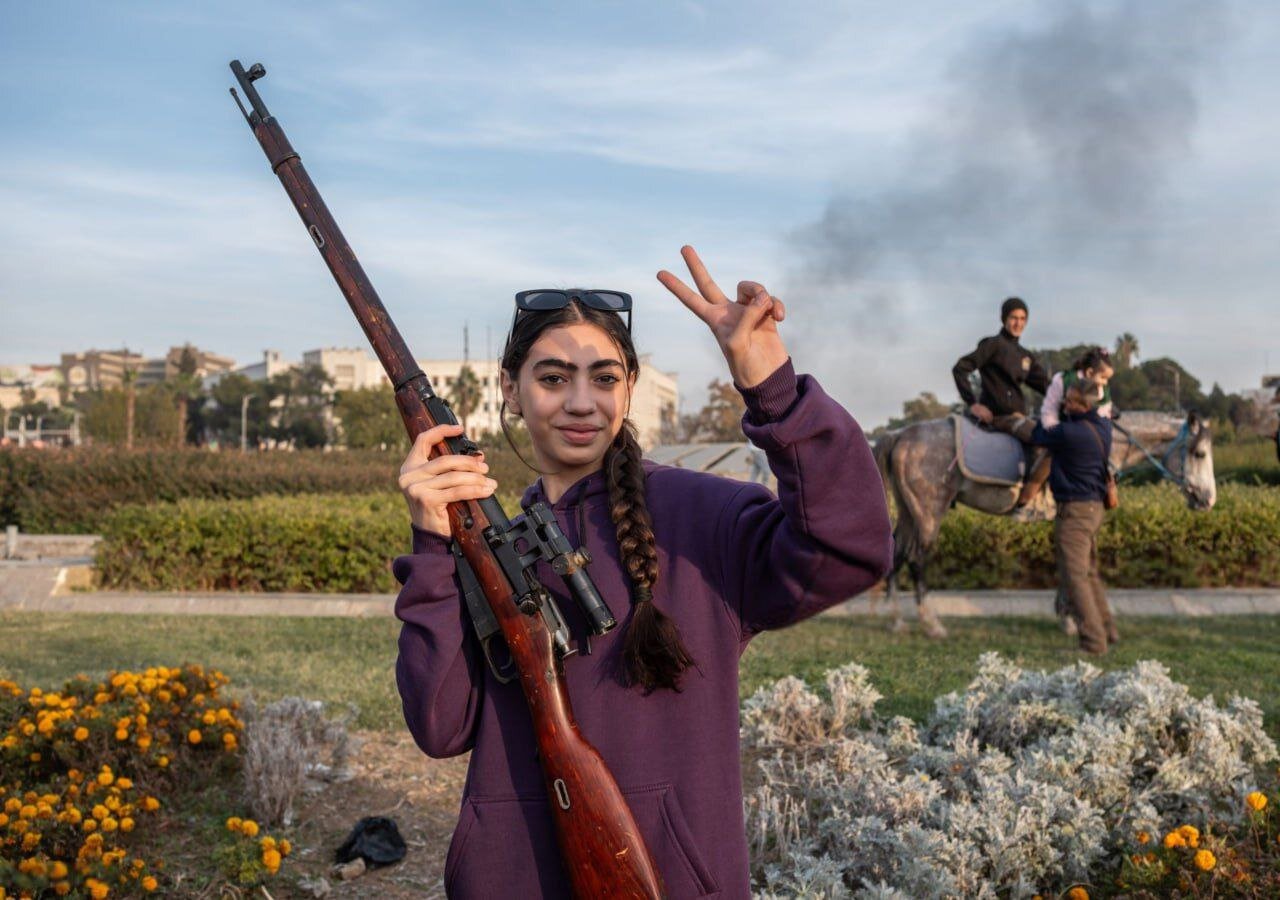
826, 536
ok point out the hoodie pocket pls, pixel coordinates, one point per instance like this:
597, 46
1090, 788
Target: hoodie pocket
507, 848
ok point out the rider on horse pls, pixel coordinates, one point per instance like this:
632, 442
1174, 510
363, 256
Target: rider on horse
1004, 366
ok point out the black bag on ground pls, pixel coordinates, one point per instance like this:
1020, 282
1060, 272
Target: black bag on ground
376, 840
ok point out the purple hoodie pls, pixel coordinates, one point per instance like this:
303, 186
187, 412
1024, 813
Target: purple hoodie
734, 561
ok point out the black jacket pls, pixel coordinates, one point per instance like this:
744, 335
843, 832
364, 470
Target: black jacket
1081, 446
1004, 366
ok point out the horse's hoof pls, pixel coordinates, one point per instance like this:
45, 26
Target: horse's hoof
934, 629
899, 626
1069, 627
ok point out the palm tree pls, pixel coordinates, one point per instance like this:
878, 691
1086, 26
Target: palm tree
1126, 350
465, 395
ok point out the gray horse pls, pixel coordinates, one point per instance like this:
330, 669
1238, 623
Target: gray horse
918, 465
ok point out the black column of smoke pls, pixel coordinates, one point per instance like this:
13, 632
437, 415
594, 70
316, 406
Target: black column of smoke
1055, 145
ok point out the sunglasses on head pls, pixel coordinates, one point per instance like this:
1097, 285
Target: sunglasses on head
545, 299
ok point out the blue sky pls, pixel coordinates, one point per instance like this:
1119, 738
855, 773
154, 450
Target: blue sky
893, 171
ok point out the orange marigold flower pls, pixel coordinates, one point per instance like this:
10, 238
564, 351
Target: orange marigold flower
81, 733
194, 736
1257, 801
1077, 893
285, 847
234, 823
1205, 860
149, 883
1174, 839
271, 859
1143, 837
1190, 834
249, 828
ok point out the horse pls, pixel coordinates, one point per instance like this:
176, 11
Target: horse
919, 467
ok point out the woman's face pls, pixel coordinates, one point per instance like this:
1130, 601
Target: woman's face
573, 393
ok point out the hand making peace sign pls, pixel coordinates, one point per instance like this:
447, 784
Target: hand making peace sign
747, 329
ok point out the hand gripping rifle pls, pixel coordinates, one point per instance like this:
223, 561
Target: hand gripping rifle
603, 852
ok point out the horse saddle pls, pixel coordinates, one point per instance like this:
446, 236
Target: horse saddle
986, 456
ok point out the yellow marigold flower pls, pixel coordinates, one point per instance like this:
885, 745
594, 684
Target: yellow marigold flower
267, 843
1257, 801
1205, 860
1077, 893
209, 717
144, 741
1190, 834
73, 816
1174, 839
97, 889
149, 884
105, 777
81, 733
126, 824
62, 888
249, 828
12, 805
285, 847
150, 804
1143, 837
34, 757
89, 825
271, 859
162, 762
58, 870
4, 819
100, 812
30, 841
27, 812
110, 824
124, 783
194, 736
122, 735
234, 823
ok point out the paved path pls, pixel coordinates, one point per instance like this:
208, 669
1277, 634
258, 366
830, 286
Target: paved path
57, 586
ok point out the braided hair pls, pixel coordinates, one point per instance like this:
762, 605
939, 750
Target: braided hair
653, 654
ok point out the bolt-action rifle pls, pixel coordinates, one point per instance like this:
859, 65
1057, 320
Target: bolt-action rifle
603, 852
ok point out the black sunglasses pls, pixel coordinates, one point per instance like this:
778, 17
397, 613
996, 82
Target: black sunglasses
545, 299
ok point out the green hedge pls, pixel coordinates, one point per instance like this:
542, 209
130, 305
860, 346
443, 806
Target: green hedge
345, 543
321, 542
72, 491
1152, 540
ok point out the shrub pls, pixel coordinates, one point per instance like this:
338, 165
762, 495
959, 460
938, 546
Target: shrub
1152, 540
346, 543
312, 543
283, 744
1023, 783
84, 769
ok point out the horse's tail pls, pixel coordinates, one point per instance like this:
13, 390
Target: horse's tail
905, 536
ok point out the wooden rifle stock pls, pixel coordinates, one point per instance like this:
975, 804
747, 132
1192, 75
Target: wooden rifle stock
601, 846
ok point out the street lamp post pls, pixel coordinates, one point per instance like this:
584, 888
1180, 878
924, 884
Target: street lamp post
244, 431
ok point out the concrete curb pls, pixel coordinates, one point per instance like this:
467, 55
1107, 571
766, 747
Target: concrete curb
1039, 604
50, 597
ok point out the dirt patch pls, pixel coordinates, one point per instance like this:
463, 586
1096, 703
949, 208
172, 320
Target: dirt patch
393, 778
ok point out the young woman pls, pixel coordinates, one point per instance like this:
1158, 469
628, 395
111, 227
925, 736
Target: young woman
692, 566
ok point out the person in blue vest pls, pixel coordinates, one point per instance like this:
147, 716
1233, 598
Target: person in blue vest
1093, 368
1080, 446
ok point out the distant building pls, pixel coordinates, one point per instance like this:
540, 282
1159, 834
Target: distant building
273, 363
43, 382
96, 369
351, 368
167, 367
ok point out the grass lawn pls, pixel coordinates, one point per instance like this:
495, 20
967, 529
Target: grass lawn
353, 660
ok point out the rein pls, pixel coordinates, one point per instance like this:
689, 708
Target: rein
1179, 446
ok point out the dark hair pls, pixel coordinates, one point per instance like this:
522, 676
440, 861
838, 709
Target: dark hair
653, 654
1092, 359
1011, 304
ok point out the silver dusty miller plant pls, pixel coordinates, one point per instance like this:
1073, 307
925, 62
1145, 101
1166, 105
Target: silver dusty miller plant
1019, 784
285, 743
